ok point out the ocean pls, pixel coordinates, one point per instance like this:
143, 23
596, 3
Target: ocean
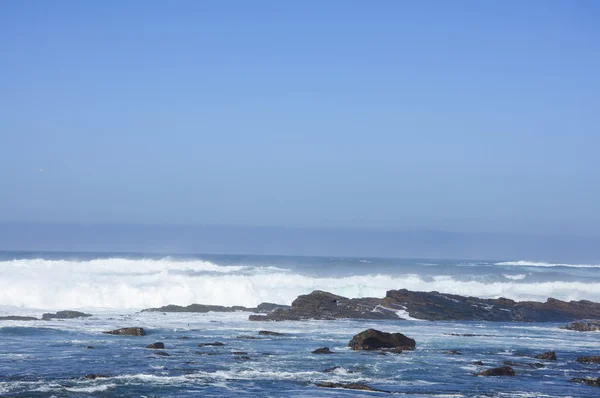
50, 358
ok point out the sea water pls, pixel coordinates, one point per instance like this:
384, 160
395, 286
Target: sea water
50, 358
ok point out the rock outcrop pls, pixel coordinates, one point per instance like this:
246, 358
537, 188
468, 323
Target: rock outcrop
503, 371
349, 386
64, 315
269, 333
324, 350
435, 306
590, 359
372, 339
547, 356
134, 331
93, 376
593, 382
215, 344
156, 346
203, 308
18, 318
589, 325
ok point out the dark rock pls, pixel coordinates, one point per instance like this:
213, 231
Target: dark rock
536, 365
197, 308
548, 356
215, 344
590, 359
452, 352
183, 338
268, 307
90, 347
589, 381
248, 337
162, 353
157, 345
269, 333
589, 325
324, 350
430, 306
93, 376
243, 358
18, 318
372, 339
478, 363
503, 371
127, 332
333, 369
239, 353
64, 315
349, 386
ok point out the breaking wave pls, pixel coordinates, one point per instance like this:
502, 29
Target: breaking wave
126, 283
523, 263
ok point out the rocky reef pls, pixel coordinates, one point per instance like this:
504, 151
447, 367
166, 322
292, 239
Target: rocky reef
433, 306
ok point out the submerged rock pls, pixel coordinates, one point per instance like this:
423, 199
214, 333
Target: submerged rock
452, 352
157, 345
162, 353
215, 344
64, 315
244, 337
324, 350
536, 365
133, 331
478, 363
503, 371
239, 353
547, 356
349, 386
90, 347
593, 382
590, 359
18, 318
269, 333
372, 339
589, 325
93, 376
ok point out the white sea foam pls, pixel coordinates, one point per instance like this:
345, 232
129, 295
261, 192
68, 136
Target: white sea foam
523, 263
91, 389
515, 277
123, 283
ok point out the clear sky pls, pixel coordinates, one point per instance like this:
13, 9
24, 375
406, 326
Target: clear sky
462, 116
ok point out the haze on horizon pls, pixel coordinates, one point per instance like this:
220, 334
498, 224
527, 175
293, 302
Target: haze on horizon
466, 117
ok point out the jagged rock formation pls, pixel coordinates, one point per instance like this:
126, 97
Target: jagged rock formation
64, 315
588, 325
127, 332
435, 306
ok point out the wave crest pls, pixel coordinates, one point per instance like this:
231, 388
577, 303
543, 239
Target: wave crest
124, 283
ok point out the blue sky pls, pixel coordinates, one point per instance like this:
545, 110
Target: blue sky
462, 116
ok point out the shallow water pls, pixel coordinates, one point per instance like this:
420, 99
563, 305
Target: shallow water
49, 358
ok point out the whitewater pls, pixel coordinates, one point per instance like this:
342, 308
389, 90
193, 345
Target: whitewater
43, 358
136, 281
